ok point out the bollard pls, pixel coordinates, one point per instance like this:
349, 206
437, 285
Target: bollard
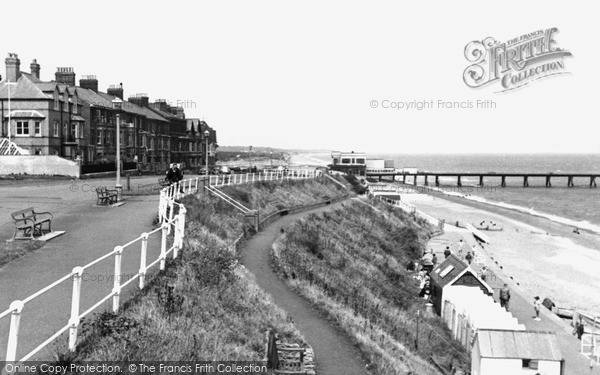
128, 182
75, 302
117, 282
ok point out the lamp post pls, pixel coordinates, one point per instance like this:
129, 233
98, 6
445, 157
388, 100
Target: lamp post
271, 158
8, 84
118, 103
206, 134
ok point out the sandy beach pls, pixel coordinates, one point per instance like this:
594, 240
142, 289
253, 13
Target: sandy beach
544, 257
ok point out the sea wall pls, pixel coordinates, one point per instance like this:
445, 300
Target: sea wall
48, 165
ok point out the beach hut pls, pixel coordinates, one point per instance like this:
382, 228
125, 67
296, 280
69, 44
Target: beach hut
501, 352
466, 310
454, 272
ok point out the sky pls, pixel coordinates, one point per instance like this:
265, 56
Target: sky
306, 75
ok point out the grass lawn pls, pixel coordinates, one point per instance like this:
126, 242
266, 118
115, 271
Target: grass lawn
204, 306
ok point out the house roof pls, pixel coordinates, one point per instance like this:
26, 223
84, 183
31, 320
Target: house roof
24, 88
518, 345
448, 271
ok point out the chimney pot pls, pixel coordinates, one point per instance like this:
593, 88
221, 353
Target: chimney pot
13, 67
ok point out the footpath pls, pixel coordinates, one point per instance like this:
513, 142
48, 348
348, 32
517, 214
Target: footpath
90, 233
521, 303
335, 353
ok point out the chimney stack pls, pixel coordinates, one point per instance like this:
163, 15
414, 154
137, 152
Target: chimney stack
65, 75
13, 67
140, 99
116, 90
35, 69
89, 82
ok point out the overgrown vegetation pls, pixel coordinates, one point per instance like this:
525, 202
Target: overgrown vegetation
350, 262
203, 306
356, 185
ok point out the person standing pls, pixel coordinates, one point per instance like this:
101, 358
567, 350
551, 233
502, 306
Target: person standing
505, 297
447, 252
469, 257
537, 305
460, 247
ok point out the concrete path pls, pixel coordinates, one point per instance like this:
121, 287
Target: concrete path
521, 304
334, 351
90, 233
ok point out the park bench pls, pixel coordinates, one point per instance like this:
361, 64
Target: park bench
106, 196
163, 183
30, 223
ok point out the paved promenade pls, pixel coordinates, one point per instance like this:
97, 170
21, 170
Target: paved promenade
90, 233
521, 303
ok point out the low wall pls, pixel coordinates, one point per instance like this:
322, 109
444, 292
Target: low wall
39, 165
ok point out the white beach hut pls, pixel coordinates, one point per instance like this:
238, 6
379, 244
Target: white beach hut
501, 352
467, 310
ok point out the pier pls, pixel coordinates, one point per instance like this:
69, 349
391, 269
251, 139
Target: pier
435, 176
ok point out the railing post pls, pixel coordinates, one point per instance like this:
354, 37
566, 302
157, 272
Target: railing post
75, 301
229, 181
196, 179
117, 281
252, 177
143, 252
179, 232
247, 176
13, 333
171, 209
163, 245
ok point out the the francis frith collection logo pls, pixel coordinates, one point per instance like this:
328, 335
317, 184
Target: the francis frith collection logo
514, 63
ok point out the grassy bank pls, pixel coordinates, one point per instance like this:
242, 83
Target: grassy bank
204, 306
350, 262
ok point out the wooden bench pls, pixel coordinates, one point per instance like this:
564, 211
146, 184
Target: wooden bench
106, 196
31, 223
163, 183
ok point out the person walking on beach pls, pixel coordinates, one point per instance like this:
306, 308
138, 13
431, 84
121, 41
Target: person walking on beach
447, 252
460, 247
484, 273
469, 257
505, 297
537, 305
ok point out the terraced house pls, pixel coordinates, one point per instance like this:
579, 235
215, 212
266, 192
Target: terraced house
79, 122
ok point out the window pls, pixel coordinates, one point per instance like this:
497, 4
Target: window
360, 161
446, 271
531, 364
345, 160
38, 128
22, 128
55, 128
74, 130
99, 136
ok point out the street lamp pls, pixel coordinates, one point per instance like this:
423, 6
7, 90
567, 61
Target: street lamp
117, 105
8, 84
206, 134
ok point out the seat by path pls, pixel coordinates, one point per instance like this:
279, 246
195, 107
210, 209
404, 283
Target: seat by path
90, 233
521, 306
334, 351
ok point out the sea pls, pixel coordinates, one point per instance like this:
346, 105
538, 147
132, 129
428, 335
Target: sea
578, 206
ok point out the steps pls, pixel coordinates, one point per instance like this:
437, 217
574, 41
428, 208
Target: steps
10, 148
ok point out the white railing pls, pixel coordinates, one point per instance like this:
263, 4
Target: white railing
169, 222
18, 308
179, 189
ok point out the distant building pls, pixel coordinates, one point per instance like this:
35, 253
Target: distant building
354, 163
79, 122
501, 352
